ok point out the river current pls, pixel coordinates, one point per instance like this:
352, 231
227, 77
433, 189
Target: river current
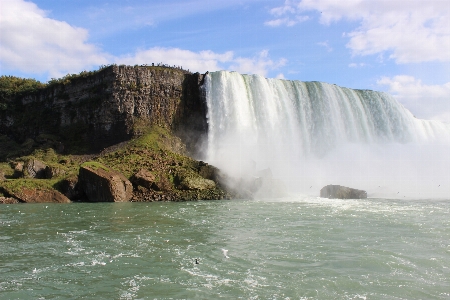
298, 247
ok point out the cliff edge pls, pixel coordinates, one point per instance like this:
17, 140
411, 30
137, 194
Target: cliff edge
91, 135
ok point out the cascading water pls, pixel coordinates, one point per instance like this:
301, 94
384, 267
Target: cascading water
310, 134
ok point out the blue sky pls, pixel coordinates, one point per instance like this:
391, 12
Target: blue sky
398, 46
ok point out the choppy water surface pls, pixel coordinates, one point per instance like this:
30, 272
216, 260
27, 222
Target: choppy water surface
292, 248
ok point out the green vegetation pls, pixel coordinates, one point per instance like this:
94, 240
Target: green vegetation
95, 165
11, 86
157, 150
34, 132
15, 186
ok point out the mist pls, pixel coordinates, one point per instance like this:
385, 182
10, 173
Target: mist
306, 135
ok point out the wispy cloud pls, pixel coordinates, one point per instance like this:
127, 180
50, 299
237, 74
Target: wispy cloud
326, 45
424, 101
410, 32
357, 65
204, 60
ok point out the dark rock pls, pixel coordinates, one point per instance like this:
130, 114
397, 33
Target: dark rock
40, 196
52, 172
342, 192
69, 187
143, 178
18, 169
208, 171
36, 169
101, 184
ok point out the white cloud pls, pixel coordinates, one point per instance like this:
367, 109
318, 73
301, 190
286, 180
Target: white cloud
326, 45
424, 101
288, 21
33, 43
197, 61
204, 60
410, 31
357, 65
260, 64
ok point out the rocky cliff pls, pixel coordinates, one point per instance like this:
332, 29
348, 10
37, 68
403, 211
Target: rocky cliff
117, 134
91, 111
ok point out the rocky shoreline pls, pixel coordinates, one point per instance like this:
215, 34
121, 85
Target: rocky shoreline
122, 133
146, 168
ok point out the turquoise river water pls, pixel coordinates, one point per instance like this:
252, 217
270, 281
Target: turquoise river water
292, 248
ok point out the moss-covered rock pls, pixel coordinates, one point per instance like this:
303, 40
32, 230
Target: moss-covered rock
33, 191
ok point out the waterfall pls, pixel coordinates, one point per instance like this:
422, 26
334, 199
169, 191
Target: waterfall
310, 134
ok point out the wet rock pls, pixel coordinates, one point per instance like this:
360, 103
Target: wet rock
101, 184
342, 192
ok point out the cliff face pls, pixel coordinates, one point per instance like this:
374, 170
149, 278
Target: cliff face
108, 107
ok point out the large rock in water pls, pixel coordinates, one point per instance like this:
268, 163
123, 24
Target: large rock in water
342, 192
101, 184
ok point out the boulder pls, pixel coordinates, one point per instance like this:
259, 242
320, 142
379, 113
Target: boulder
342, 192
40, 196
189, 180
143, 178
101, 184
36, 169
197, 183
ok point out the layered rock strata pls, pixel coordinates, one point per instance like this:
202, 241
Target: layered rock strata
107, 107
